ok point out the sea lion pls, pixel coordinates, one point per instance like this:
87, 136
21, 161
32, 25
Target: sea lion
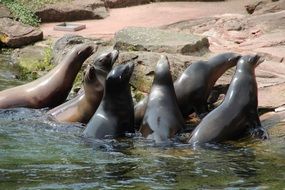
50, 90
83, 106
238, 111
115, 114
162, 119
194, 85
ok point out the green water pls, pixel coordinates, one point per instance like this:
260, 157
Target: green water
36, 153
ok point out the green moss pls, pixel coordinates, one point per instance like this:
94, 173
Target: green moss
30, 69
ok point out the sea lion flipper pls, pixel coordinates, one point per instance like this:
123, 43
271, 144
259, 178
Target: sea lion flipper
259, 133
256, 130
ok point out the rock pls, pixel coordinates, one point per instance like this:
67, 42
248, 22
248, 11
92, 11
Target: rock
265, 6
250, 8
239, 33
156, 40
32, 53
186, 0
63, 45
145, 63
15, 34
125, 3
271, 97
274, 122
74, 10
5, 12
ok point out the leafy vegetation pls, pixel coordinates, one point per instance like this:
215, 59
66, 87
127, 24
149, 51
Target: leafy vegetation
23, 10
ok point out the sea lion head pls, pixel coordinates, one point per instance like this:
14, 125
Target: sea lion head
82, 51
90, 74
250, 61
230, 58
120, 75
105, 61
162, 71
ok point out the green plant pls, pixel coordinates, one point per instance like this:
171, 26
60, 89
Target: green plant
21, 12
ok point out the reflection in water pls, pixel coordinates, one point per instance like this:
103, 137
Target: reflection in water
36, 153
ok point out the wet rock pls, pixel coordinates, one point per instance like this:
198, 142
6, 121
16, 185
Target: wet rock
125, 3
272, 118
74, 10
5, 12
15, 34
156, 40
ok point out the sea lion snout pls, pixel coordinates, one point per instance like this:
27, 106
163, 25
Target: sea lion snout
131, 67
114, 54
90, 74
85, 50
234, 57
257, 59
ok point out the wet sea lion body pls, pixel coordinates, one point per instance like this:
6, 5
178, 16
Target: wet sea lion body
115, 114
194, 85
238, 112
50, 90
83, 106
162, 118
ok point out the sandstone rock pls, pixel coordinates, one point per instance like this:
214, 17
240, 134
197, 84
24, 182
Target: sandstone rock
272, 96
15, 34
63, 45
186, 0
156, 40
75, 10
125, 3
5, 12
265, 6
239, 33
250, 8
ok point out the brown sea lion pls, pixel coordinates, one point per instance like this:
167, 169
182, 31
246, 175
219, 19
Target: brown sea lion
51, 89
115, 115
238, 112
162, 118
83, 106
194, 85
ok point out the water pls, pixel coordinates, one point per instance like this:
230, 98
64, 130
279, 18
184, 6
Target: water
36, 153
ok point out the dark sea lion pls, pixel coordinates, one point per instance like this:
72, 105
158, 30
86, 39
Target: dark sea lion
50, 90
194, 85
83, 106
162, 118
238, 112
115, 114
